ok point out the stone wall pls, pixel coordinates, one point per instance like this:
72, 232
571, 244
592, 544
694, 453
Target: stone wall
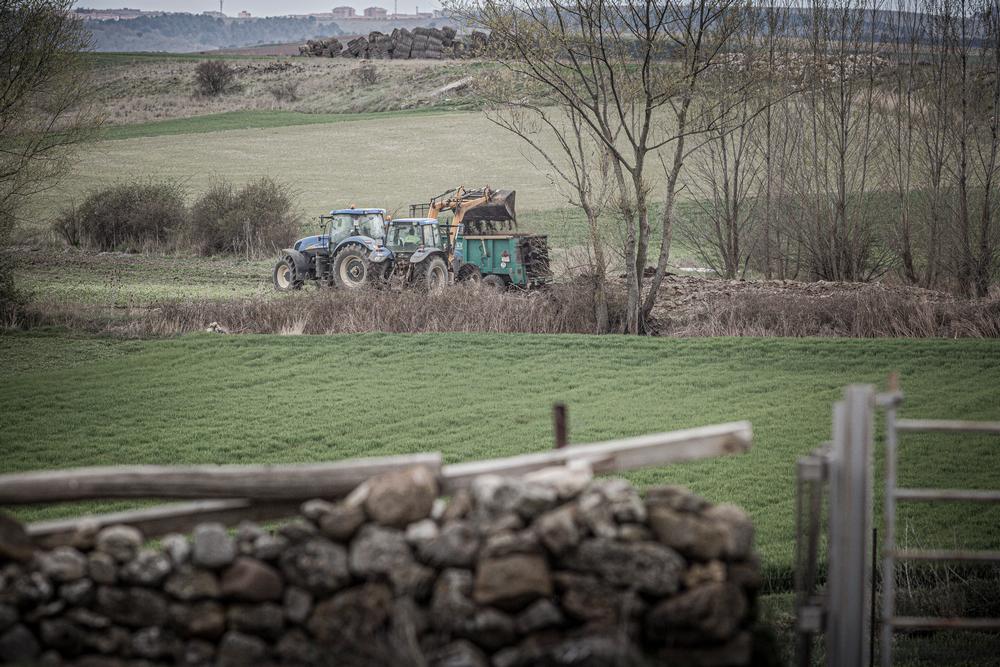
554, 568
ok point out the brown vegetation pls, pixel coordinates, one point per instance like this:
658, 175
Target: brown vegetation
214, 77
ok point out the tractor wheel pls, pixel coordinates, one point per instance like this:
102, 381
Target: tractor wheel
284, 276
350, 268
469, 273
433, 275
495, 282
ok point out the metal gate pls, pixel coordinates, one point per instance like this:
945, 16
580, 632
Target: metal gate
834, 503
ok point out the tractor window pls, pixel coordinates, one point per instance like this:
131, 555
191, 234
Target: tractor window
405, 236
341, 226
372, 225
430, 235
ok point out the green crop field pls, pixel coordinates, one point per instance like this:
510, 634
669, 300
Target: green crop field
270, 399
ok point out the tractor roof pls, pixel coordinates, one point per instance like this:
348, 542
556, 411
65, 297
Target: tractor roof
357, 211
419, 221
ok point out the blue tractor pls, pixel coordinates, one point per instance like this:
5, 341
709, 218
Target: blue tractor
338, 255
414, 250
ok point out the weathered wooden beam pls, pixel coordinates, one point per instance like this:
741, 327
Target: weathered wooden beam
947, 426
159, 520
614, 455
251, 482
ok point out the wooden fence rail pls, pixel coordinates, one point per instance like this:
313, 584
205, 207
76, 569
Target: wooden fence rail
256, 492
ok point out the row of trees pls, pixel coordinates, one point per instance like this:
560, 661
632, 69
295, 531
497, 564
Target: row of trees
837, 141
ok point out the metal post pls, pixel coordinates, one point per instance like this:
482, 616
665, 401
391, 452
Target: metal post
559, 421
850, 527
889, 545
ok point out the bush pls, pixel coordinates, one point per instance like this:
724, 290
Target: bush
131, 216
285, 91
254, 221
214, 77
367, 74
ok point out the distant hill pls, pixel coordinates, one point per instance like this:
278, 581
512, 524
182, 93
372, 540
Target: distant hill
182, 33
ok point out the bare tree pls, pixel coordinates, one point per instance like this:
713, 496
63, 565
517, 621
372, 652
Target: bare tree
629, 71
44, 95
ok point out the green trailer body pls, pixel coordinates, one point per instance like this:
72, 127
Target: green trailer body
521, 260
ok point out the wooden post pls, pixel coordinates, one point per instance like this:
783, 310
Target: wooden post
559, 421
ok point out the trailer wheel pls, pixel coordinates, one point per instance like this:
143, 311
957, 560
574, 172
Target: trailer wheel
433, 275
284, 276
350, 268
495, 282
469, 273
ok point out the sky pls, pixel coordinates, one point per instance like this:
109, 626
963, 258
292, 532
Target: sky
258, 7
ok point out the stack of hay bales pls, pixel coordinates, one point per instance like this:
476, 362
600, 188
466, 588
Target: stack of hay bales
403, 44
322, 48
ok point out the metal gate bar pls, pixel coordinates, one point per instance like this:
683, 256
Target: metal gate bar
893, 494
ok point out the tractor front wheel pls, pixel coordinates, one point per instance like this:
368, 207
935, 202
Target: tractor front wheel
433, 275
284, 276
350, 268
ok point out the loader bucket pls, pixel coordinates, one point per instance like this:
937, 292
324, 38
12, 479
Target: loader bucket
499, 208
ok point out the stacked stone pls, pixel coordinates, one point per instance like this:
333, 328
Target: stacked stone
551, 568
322, 48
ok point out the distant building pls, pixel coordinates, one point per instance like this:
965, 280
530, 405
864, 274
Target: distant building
244, 14
218, 15
343, 12
376, 13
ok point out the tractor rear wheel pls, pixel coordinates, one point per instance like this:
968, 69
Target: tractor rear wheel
284, 276
433, 275
495, 282
350, 268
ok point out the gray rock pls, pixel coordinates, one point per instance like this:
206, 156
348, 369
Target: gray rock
459, 653
108, 640
32, 589
510, 542
197, 653
269, 547
8, 616
712, 611
647, 566
298, 530
495, 495
14, 541
398, 498
712, 572
458, 507
153, 643
317, 565
341, 521
239, 650
120, 542
608, 502
456, 545
39, 612
62, 564
204, 620
634, 532
249, 531
315, 509
177, 547
489, 628
377, 551
148, 568
558, 530
596, 602
77, 593
18, 645
102, 568
252, 580
298, 603
191, 583
134, 607
88, 619
569, 481
512, 581
265, 620
352, 617
737, 530
296, 648
421, 531
438, 508
737, 651
61, 635
745, 574
503, 523
212, 547
540, 615
412, 580
451, 602
676, 498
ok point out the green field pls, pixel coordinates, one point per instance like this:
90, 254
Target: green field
270, 399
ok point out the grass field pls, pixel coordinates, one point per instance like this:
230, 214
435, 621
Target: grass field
269, 399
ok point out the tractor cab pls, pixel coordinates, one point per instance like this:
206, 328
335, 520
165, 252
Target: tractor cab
341, 225
414, 249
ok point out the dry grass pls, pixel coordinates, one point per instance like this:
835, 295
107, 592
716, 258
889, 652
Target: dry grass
868, 312
563, 309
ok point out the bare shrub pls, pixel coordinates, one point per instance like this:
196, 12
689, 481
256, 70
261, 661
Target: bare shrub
286, 90
214, 77
254, 221
561, 309
866, 313
367, 74
130, 216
